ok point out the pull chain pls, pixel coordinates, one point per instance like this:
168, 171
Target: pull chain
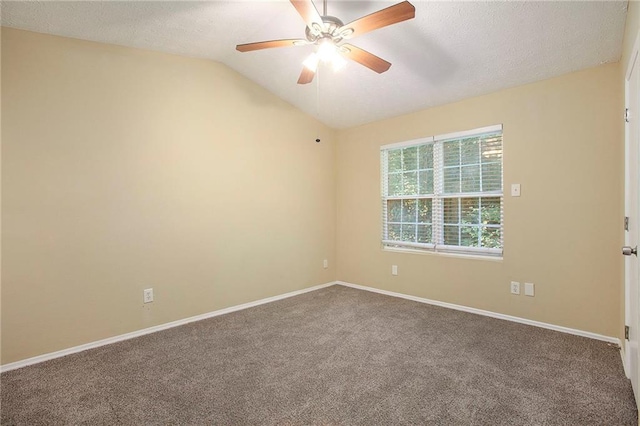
324, 13
318, 93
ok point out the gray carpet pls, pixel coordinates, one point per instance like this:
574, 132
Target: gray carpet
332, 356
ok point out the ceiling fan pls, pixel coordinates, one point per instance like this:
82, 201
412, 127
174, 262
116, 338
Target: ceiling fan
328, 33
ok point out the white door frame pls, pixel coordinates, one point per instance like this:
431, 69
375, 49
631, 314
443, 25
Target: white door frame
626, 356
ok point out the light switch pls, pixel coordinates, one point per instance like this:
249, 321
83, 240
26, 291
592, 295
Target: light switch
528, 289
515, 189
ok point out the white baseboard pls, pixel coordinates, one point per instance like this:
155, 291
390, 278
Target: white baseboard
96, 344
133, 334
561, 329
625, 364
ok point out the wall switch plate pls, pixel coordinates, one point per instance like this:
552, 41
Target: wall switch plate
394, 269
147, 295
515, 189
515, 287
528, 289
325, 264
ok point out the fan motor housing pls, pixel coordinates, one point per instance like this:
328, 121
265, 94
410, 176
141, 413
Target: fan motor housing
331, 24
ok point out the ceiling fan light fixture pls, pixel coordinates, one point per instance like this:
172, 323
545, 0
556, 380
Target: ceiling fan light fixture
328, 33
327, 50
311, 63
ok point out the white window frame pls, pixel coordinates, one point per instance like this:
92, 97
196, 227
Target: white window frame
438, 196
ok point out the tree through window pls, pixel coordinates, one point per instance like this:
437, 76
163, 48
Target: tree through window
444, 193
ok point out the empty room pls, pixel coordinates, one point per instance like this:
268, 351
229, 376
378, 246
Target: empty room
319, 212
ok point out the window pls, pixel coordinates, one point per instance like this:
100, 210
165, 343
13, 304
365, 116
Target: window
444, 193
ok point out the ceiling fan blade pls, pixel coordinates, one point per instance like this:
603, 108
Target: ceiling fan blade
248, 47
365, 58
306, 76
309, 14
382, 18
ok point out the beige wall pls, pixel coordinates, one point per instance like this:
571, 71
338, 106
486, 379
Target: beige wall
125, 169
563, 144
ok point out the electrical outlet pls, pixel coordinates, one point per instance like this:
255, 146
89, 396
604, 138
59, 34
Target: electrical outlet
147, 295
394, 269
515, 287
325, 264
528, 289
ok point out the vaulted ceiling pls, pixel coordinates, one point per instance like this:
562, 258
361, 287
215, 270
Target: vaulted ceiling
450, 51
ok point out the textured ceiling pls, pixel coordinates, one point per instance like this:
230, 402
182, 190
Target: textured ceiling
450, 51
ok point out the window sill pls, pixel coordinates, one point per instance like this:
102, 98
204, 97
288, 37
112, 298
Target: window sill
443, 254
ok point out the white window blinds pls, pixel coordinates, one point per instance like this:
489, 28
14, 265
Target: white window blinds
444, 193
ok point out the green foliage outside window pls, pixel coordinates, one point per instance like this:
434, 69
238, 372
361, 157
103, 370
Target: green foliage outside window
448, 190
